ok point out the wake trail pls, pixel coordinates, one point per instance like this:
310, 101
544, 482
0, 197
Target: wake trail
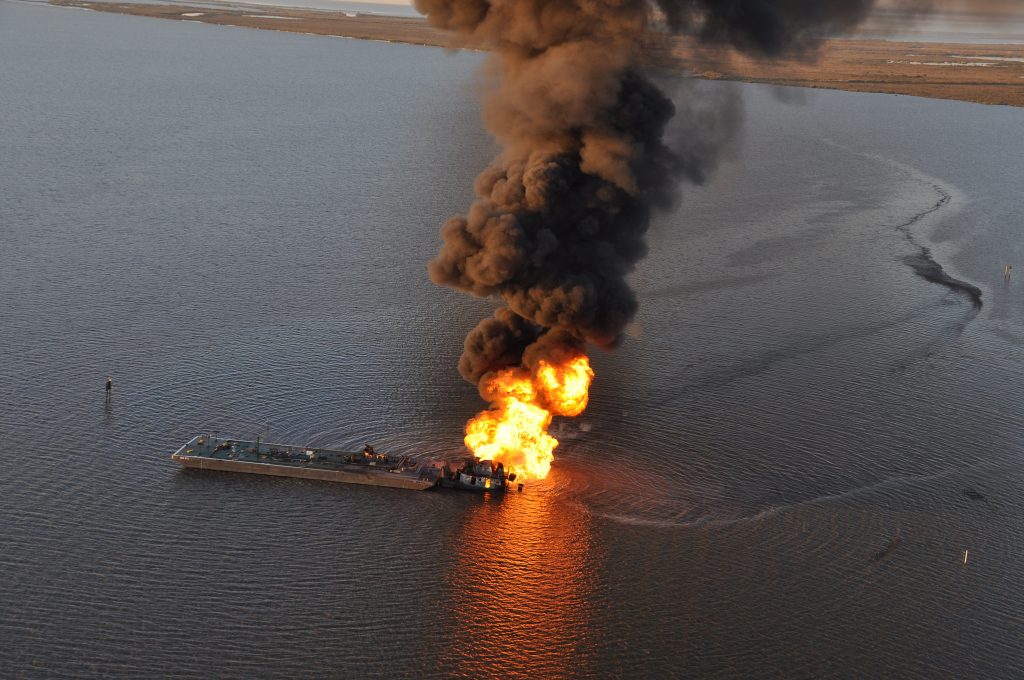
891, 484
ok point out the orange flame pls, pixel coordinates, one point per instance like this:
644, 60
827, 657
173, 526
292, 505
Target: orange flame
514, 431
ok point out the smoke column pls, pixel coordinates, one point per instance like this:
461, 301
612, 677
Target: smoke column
560, 215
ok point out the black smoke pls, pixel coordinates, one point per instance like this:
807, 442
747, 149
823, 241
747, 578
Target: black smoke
768, 27
561, 214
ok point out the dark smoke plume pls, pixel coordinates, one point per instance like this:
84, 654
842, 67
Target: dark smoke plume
769, 27
560, 216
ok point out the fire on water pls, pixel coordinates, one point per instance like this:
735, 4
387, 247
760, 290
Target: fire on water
514, 431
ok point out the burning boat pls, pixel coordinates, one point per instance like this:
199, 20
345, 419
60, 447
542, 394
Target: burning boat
369, 467
479, 475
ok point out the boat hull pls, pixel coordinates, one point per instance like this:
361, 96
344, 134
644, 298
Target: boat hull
257, 459
395, 481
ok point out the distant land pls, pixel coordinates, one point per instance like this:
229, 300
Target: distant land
981, 73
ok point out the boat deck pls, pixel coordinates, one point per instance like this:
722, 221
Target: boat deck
206, 452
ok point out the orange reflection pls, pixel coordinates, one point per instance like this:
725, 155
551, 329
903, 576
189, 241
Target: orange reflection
518, 592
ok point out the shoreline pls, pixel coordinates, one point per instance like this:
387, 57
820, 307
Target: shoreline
287, 19
977, 73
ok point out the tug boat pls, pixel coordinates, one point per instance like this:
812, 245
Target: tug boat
478, 475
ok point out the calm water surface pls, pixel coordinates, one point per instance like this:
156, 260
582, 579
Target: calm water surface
769, 482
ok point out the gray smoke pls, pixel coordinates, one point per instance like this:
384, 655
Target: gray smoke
561, 214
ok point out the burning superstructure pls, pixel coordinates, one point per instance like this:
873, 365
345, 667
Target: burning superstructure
523, 401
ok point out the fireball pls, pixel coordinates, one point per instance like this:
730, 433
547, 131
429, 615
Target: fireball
514, 430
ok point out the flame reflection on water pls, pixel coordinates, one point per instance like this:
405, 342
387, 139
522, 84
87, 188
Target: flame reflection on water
520, 587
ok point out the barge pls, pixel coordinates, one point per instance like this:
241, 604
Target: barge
368, 467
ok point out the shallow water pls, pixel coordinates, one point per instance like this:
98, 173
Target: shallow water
770, 479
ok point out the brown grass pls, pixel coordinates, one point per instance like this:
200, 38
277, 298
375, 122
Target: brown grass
938, 71
394, 29
917, 69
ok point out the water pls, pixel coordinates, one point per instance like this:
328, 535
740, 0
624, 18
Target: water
770, 479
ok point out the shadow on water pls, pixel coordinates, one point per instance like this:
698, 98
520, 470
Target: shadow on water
890, 548
924, 264
928, 269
